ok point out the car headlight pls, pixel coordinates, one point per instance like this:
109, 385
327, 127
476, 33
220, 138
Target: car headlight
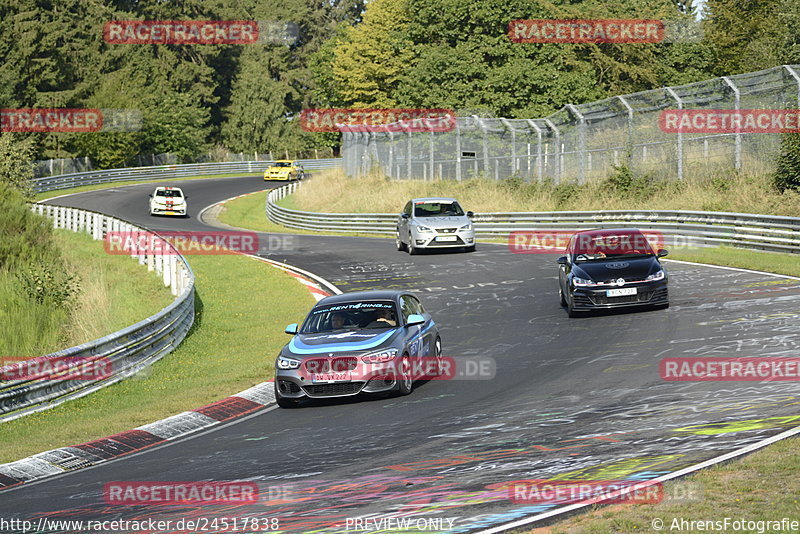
287, 363
582, 281
380, 357
659, 275
466, 227
422, 228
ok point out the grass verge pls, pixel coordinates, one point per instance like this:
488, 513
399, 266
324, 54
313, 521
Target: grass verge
84, 188
248, 212
115, 292
241, 304
760, 487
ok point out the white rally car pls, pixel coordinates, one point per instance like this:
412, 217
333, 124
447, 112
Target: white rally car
168, 201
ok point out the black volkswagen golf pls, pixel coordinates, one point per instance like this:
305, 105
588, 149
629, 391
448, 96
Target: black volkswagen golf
609, 269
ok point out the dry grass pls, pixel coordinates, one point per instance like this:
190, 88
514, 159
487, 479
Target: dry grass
334, 192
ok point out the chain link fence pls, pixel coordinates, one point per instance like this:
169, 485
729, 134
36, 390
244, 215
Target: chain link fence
52, 167
583, 142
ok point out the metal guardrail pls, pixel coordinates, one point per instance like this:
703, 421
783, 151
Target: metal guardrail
66, 181
698, 228
80, 370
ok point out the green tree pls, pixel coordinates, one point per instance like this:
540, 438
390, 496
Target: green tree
15, 163
746, 36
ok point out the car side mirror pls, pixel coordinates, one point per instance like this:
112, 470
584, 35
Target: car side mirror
415, 319
562, 260
661, 253
470, 214
291, 329
405, 215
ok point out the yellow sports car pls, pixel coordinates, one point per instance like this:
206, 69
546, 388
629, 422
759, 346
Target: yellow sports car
285, 169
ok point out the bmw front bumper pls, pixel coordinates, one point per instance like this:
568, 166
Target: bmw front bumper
363, 378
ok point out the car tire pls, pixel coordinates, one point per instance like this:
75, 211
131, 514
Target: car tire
405, 381
400, 245
412, 250
561, 296
284, 402
437, 352
571, 310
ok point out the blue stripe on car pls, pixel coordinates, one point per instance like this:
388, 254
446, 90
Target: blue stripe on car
299, 347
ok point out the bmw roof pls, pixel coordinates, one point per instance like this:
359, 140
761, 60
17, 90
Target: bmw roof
433, 199
609, 231
381, 294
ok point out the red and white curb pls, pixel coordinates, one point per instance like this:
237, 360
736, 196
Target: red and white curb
66, 459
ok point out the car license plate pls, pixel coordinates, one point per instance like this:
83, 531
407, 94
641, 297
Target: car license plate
170, 213
446, 238
322, 378
621, 292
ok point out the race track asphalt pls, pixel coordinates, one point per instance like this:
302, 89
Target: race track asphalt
570, 399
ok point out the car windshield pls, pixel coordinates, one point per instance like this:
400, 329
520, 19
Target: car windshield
437, 209
282, 164
588, 247
356, 315
172, 193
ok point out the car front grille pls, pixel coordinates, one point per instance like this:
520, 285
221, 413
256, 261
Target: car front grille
328, 365
446, 230
333, 390
435, 243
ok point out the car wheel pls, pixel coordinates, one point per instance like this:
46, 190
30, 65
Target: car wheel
404, 379
437, 351
400, 245
284, 402
561, 296
571, 309
412, 250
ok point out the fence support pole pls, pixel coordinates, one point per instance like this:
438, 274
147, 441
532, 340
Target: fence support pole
557, 154
485, 139
796, 76
510, 127
431, 154
539, 162
581, 143
458, 152
674, 95
629, 143
408, 153
391, 154
737, 163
